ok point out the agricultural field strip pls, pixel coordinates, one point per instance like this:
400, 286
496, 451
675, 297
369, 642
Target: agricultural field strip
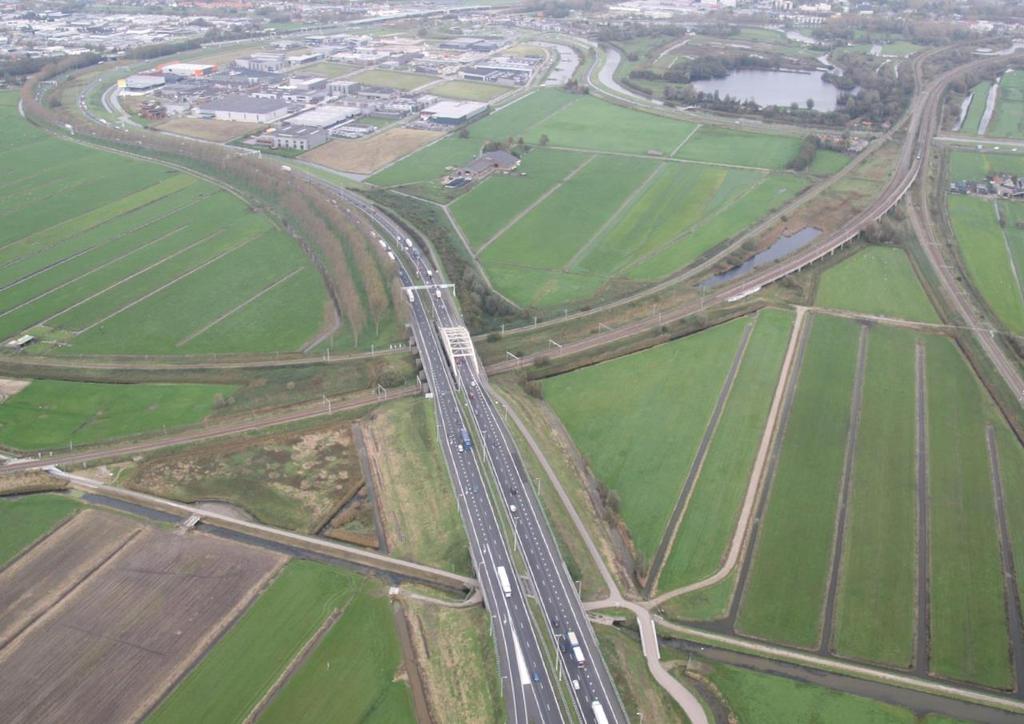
782, 597
296, 661
56, 566
969, 639
44, 240
1012, 592
1009, 252
667, 159
682, 503
922, 623
128, 278
845, 483
762, 472
612, 220
95, 269
91, 218
239, 307
171, 283
195, 587
716, 517
547, 194
106, 238
696, 226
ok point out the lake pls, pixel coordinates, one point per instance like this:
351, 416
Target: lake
774, 88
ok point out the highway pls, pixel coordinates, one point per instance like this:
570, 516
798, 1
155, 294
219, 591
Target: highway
464, 401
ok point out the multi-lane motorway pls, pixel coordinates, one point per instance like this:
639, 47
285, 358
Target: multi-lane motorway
493, 490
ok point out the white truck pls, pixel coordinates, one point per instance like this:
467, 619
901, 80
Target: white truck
506, 586
599, 715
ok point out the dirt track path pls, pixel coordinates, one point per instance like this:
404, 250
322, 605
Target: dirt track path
846, 483
777, 415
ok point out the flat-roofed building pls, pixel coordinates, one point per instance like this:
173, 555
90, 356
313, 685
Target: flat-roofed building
245, 108
141, 83
454, 113
326, 116
187, 70
298, 138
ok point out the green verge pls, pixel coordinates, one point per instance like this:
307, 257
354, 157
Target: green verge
351, 676
784, 597
54, 413
705, 604
875, 604
24, 520
1008, 118
969, 639
768, 699
979, 97
709, 522
984, 249
639, 691
638, 420
878, 280
235, 674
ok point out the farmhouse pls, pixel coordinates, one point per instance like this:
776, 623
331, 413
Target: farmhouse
481, 167
244, 108
454, 113
298, 138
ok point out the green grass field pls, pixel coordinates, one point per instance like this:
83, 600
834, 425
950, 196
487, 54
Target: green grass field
491, 205
1008, 118
707, 526
785, 591
979, 96
469, 90
1011, 465
639, 419
235, 674
107, 255
984, 248
351, 676
875, 602
768, 699
592, 124
25, 520
971, 165
680, 199
969, 639
827, 162
393, 79
704, 604
713, 144
878, 280
54, 414
548, 237
763, 198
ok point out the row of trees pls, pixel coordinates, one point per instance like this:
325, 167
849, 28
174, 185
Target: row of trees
330, 238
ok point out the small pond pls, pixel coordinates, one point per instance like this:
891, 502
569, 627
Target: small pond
774, 88
781, 247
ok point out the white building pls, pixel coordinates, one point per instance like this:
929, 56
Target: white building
244, 108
